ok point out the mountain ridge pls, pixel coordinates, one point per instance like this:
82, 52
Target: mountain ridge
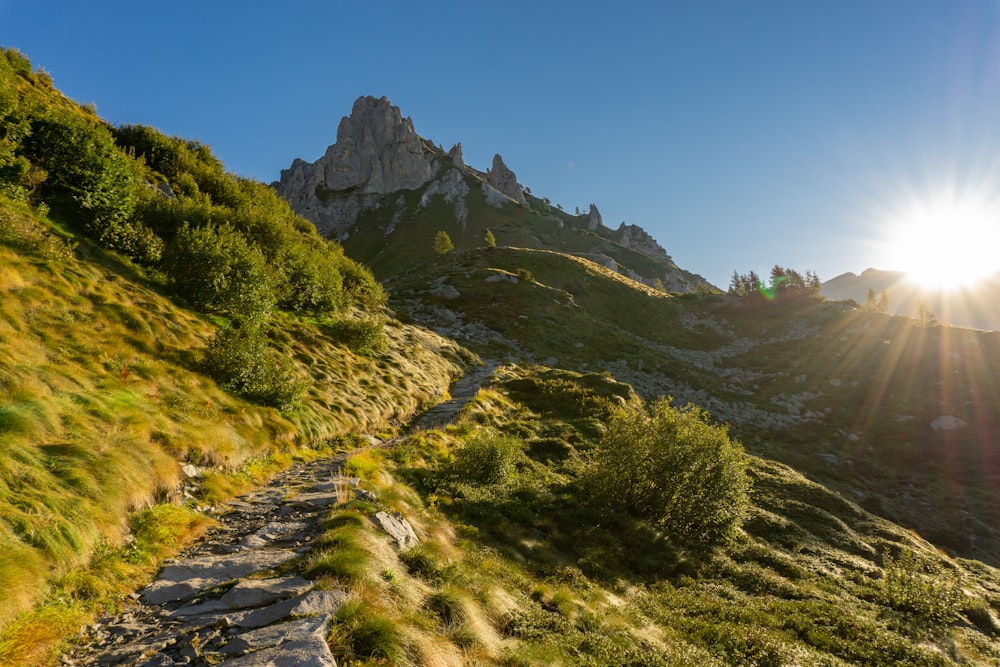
367, 173
970, 306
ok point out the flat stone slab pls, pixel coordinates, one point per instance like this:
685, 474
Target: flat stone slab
313, 603
247, 594
398, 528
182, 580
271, 532
301, 629
301, 653
319, 499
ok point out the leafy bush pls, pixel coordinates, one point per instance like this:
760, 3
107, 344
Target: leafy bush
89, 178
239, 359
924, 591
364, 335
488, 459
214, 267
313, 283
670, 467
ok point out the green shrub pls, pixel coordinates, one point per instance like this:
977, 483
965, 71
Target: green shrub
89, 179
488, 459
239, 359
214, 267
364, 335
313, 283
670, 467
921, 589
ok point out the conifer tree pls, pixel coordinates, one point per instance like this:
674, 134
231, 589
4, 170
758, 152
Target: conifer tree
442, 243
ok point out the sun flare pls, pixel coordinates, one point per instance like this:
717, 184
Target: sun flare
946, 243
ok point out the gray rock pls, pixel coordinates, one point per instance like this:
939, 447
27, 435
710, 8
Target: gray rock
308, 604
594, 221
637, 238
505, 181
300, 629
445, 292
948, 423
456, 156
398, 529
300, 653
247, 594
377, 152
182, 580
362, 494
270, 533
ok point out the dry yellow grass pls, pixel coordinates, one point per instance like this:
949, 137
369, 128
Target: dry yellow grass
101, 402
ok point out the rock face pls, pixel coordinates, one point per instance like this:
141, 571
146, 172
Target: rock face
505, 181
637, 238
594, 221
456, 156
377, 152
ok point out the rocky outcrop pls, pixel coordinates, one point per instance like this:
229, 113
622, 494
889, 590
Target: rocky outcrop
504, 181
637, 238
594, 221
377, 152
456, 156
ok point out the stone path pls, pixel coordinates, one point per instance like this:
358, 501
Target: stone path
224, 601
221, 602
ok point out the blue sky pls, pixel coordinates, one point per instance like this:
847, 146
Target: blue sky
739, 134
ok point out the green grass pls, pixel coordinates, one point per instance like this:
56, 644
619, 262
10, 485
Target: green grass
101, 401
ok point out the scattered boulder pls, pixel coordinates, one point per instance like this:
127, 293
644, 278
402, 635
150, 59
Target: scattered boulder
445, 292
948, 423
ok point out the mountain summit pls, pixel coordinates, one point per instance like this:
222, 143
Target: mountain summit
384, 191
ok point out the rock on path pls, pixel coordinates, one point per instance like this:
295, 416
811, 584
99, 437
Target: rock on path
221, 602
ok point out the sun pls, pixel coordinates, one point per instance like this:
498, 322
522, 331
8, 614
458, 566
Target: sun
946, 243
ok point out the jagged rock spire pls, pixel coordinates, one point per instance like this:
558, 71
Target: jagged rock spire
505, 181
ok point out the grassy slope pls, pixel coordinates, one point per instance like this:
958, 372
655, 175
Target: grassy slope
539, 226
520, 573
100, 401
796, 378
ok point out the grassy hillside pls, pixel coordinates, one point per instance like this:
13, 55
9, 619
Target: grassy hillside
518, 567
126, 361
847, 396
400, 233
102, 400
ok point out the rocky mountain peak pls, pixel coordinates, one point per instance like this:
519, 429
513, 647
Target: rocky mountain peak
377, 152
505, 181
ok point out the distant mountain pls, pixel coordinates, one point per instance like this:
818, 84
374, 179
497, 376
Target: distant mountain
384, 192
974, 307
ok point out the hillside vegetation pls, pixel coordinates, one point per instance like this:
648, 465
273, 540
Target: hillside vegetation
126, 353
171, 334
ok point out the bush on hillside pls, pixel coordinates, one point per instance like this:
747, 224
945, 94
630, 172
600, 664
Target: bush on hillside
488, 459
920, 589
365, 336
88, 180
239, 359
672, 468
213, 267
